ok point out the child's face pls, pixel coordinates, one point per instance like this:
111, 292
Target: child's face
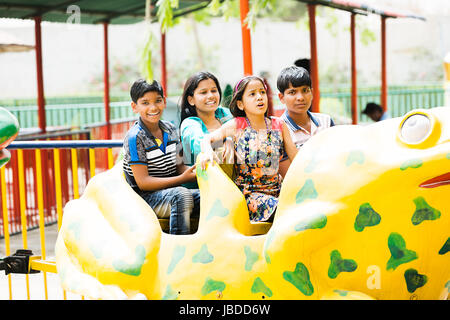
254, 99
297, 99
150, 107
206, 97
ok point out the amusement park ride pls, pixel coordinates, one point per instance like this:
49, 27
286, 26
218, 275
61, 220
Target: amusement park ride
363, 214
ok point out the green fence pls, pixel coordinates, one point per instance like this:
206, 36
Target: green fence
80, 114
71, 115
81, 111
400, 100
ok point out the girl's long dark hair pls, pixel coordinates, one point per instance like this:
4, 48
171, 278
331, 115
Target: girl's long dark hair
186, 110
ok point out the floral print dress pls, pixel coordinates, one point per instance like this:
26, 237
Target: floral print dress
258, 154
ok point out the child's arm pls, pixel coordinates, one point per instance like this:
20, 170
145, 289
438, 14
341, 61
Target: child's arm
191, 137
289, 145
149, 183
283, 167
208, 154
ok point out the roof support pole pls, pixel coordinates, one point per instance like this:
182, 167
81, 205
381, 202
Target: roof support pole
106, 80
39, 73
246, 39
163, 63
383, 97
314, 61
354, 99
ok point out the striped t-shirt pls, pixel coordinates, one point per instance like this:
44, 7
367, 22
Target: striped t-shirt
141, 147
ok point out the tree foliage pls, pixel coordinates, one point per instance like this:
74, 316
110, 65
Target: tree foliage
285, 10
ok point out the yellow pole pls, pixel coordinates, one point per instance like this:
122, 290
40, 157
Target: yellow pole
76, 194
58, 186
110, 159
40, 201
57, 166
5, 223
23, 216
92, 161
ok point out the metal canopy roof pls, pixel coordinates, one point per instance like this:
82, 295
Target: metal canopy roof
361, 8
133, 11
91, 12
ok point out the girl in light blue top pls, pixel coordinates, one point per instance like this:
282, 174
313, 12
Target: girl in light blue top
200, 114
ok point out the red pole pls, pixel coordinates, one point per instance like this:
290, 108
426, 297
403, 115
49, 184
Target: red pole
246, 39
163, 63
314, 61
383, 64
106, 80
39, 73
354, 84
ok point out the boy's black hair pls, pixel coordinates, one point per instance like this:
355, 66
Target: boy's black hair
372, 107
296, 76
186, 110
141, 87
304, 63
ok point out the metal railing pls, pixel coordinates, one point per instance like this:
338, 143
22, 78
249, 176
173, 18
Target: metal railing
33, 196
81, 114
63, 166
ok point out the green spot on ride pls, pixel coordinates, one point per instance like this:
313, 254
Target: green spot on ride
133, 269
446, 247
211, 285
203, 256
338, 265
9, 127
178, 254
342, 293
269, 239
308, 191
414, 280
413, 163
251, 258
259, 286
170, 294
300, 279
399, 253
424, 212
201, 173
367, 217
317, 221
217, 210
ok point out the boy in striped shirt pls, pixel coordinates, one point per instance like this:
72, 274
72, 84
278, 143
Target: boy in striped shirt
294, 86
152, 163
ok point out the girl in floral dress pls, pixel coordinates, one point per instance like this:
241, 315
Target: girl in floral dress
259, 143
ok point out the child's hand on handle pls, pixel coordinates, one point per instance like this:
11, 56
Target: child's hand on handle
204, 157
189, 174
207, 153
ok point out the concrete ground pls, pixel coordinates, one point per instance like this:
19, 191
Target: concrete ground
34, 287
